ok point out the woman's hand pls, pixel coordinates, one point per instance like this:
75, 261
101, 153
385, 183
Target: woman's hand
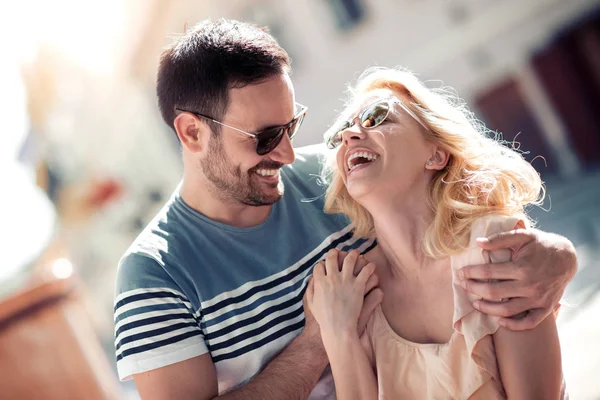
335, 296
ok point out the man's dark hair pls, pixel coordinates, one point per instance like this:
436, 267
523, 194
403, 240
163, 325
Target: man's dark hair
197, 70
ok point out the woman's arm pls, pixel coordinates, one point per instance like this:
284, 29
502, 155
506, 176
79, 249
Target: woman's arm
530, 361
352, 372
335, 297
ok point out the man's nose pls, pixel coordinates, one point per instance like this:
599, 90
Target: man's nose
284, 152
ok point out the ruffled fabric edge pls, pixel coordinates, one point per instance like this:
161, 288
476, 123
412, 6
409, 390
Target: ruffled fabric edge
477, 328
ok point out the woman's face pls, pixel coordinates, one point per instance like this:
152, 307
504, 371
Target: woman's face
388, 160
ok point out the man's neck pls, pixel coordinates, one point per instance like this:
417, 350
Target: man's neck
202, 198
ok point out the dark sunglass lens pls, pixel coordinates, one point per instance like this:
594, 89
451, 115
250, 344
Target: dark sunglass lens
268, 140
374, 115
295, 126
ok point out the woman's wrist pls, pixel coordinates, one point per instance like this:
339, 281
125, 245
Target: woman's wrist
335, 341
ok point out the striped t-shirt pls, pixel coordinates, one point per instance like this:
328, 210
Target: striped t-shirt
189, 285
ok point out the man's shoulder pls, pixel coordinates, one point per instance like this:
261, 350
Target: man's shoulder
158, 253
309, 161
304, 177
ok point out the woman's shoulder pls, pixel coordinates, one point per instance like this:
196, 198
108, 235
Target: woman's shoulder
376, 256
491, 224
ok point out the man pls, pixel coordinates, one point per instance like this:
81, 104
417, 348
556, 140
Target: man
209, 296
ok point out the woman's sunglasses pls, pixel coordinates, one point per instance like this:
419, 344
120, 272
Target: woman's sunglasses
268, 139
373, 115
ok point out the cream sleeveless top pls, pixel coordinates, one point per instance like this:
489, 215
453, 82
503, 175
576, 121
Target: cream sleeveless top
463, 368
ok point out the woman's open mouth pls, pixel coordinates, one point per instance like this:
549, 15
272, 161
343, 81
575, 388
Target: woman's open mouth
360, 159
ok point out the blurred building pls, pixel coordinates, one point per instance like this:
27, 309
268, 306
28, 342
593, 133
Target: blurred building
526, 67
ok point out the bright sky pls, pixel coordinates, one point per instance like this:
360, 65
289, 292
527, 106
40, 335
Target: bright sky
88, 34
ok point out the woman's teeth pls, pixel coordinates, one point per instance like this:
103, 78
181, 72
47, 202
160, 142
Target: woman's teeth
363, 154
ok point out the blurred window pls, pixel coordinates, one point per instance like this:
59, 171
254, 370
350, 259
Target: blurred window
504, 109
347, 13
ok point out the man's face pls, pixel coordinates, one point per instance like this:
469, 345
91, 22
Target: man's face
237, 173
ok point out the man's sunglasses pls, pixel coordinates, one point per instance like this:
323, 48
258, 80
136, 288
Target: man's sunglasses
371, 116
268, 139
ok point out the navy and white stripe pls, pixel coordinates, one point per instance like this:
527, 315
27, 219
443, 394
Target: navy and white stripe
231, 324
244, 319
146, 319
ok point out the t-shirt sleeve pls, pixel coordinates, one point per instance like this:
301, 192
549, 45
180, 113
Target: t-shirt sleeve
309, 163
155, 324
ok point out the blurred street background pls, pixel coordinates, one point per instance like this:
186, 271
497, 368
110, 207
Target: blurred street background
86, 160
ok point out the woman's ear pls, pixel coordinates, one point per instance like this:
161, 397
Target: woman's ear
192, 133
438, 160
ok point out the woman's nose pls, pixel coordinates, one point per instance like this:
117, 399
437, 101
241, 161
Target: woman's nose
354, 132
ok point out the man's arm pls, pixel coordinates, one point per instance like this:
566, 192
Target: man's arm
290, 375
533, 281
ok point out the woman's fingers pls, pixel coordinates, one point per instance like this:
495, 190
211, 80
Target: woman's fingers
349, 263
372, 300
331, 262
319, 270
372, 283
360, 263
365, 273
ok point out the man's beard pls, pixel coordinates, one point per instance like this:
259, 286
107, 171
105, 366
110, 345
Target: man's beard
231, 183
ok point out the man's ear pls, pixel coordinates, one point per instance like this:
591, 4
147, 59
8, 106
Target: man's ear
192, 133
438, 160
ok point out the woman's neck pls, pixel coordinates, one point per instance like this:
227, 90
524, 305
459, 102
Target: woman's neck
400, 229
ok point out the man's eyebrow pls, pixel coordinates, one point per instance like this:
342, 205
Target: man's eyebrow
264, 128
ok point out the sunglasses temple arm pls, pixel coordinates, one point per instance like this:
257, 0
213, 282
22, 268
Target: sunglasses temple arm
252, 135
412, 114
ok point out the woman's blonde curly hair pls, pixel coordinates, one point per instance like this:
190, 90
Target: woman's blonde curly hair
482, 175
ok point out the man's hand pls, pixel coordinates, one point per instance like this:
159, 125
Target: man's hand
533, 282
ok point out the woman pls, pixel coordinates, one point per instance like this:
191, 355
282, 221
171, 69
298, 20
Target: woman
412, 157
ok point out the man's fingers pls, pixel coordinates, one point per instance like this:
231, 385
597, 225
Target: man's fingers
331, 262
495, 290
529, 321
372, 300
371, 283
505, 309
504, 270
507, 240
